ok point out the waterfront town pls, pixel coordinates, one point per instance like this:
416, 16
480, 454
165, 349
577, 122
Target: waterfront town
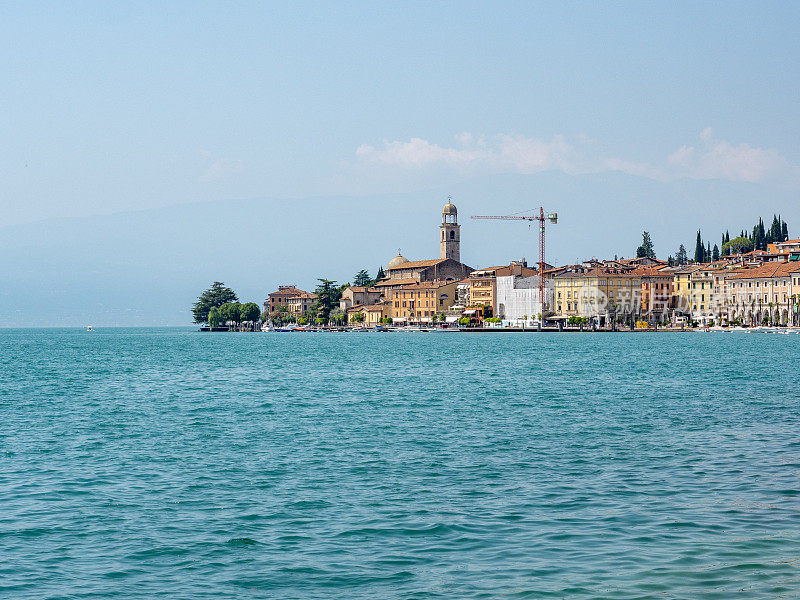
736, 287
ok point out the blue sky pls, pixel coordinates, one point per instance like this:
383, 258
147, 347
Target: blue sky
108, 108
112, 107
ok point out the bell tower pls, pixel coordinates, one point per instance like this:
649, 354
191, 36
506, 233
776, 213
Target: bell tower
450, 232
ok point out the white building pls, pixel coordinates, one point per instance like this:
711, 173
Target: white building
518, 299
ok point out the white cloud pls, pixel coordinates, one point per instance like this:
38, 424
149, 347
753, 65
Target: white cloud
500, 153
718, 159
709, 159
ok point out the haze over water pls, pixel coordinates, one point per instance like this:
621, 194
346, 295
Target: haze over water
166, 463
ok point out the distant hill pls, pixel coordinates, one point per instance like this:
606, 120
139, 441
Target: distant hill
147, 267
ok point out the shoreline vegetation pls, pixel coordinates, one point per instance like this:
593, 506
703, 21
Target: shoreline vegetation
678, 294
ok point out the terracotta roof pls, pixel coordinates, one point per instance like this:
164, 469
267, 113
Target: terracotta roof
650, 272
688, 269
599, 273
374, 308
293, 292
415, 264
359, 288
506, 271
766, 270
393, 282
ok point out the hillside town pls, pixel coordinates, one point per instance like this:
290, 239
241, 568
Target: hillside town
732, 288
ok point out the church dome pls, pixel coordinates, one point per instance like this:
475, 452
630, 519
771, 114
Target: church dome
397, 261
449, 209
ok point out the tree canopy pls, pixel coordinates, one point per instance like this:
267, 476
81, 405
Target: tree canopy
250, 312
328, 296
215, 296
699, 249
737, 245
231, 311
646, 250
214, 318
362, 279
682, 257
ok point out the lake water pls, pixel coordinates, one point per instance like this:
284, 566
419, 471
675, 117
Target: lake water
140, 463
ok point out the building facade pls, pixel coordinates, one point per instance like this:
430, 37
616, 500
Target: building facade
296, 301
517, 297
767, 294
422, 302
356, 295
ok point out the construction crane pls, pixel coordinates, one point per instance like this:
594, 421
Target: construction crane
542, 218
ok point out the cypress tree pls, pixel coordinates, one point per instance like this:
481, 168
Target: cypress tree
715, 255
774, 231
698, 249
681, 257
785, 231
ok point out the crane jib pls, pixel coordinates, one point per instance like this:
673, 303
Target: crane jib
542, 218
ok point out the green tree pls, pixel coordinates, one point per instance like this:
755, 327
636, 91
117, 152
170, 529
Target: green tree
699, 249
217, 295
362, 279
328, 296
250, 312
231, 311
682, 257
715, 253
214, 318
381, 274
646, 249
338, 316
738, 245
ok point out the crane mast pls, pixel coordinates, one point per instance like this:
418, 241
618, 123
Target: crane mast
542, 218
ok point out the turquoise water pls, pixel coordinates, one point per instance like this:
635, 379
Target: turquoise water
169, 463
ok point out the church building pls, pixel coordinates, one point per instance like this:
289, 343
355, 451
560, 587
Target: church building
401, 271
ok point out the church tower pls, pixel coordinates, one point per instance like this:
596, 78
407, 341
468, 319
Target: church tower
450, 232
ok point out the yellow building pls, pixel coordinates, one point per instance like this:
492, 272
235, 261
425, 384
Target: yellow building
768, 293
682, 288
368, 315
419, 302
597, 292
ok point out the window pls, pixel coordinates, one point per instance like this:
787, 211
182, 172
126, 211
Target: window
452, 235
